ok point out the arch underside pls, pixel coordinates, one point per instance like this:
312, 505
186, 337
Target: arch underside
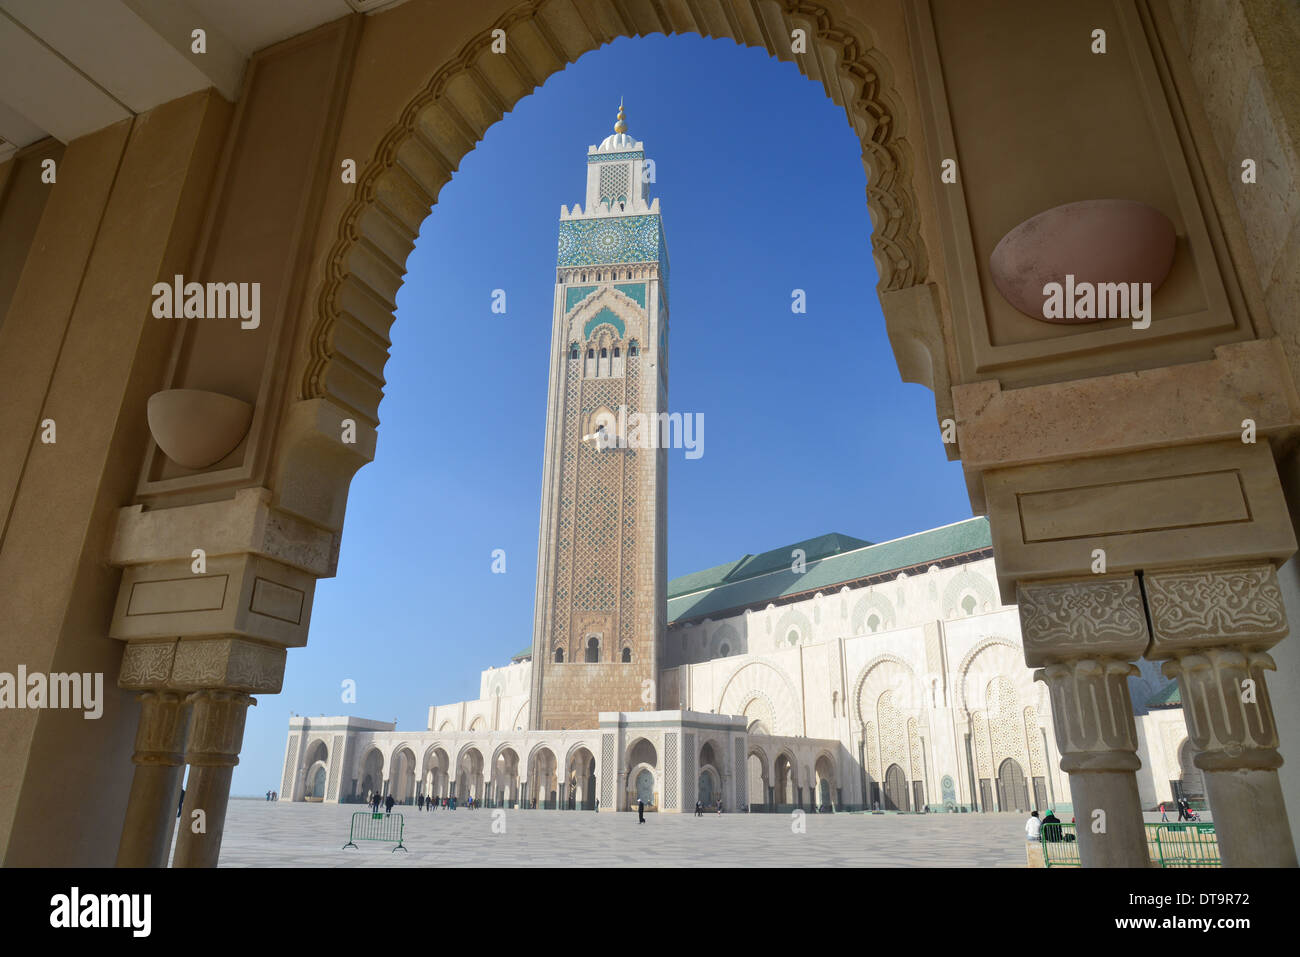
399, 184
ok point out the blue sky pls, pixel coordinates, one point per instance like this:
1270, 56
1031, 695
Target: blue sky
808, 428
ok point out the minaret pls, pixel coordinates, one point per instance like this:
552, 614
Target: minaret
600, 609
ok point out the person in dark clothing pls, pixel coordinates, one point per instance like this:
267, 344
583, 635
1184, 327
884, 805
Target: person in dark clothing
388, 804
1051, 826
640, 811
699, 811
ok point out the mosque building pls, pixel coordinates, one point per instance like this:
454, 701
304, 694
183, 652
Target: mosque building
830, 674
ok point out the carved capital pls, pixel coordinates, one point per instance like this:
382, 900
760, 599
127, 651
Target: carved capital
146, 665
160, 736
216, 727
230, 663
1093, 714
1098, 617
1227, 708
1208, 607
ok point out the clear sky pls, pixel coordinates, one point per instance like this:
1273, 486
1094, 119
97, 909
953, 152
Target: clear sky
808, 428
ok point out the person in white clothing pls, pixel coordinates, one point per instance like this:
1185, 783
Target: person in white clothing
1031, 828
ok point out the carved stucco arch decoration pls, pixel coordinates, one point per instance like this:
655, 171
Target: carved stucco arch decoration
860, 683
763, 698
792, 620
1013, 667
399, 184
761, 677
627, 309
311, 744
520, 717
875, 601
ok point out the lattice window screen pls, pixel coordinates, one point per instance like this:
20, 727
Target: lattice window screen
607, 770
672, 791
336, 767
614, 181
739, 775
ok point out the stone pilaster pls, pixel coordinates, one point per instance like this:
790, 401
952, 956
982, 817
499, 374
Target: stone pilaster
1083, 636
1212, 626
216, 735
159, 760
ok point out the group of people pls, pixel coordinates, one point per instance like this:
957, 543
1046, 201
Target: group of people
699, 808
272, 796
1048, 829
1185, 812
432, 803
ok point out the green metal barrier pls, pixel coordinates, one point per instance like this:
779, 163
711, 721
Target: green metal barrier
369, 826
1168, 845
1183, 845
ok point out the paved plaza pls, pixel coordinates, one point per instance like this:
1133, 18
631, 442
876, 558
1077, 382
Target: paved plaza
283, 834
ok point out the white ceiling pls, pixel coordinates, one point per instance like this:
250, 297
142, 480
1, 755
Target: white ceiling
71, 67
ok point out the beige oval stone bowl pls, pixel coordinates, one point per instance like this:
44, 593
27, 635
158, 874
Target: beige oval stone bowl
196, 428
1096, 241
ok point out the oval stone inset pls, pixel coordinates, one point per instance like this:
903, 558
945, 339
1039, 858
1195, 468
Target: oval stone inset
1095, 241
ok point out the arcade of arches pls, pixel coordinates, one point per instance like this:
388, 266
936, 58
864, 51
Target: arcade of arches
1107, 436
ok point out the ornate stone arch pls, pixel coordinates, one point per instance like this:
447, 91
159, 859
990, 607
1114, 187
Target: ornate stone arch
759, 676
1012, 664
862, 608
400, 179
520, 716
792, 620
967, 581
866, 714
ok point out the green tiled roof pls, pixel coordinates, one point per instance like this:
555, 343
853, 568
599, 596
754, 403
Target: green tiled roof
832, 560
520, 656
1170, 697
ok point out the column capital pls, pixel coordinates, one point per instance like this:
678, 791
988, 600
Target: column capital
216, 727
1233, 605
1227, 708
189, 664
1093, 714
160, 735
1098, 617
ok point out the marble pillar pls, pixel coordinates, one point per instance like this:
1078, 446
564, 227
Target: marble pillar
1083, 636
216, 735
159, 760
1211, 627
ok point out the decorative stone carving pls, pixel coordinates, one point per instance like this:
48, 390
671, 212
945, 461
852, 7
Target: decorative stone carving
1200, 608
146, 664
1093, 714
1082, 618
229, 663
160, 736
1229, 723
216, 727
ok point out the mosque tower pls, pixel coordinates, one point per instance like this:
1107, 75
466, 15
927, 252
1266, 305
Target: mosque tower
599, 616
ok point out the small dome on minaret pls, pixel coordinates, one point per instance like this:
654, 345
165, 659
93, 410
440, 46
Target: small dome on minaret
619, 140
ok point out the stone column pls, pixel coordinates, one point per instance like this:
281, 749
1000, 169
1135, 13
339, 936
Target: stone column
1083, 635
159, 760
1212, 628
216, 735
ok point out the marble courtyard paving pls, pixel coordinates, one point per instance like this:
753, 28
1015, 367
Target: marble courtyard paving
261, 834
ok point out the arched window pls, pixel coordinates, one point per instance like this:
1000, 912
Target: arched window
633, 349
573, 351
591, 353
968, 604
604, 353
593, 648
559, 655
724, 650
627, 655
616, 352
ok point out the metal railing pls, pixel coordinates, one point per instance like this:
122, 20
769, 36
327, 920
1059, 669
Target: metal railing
1168, 845
376, 826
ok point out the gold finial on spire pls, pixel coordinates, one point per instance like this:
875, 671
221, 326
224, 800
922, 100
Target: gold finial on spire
619, 125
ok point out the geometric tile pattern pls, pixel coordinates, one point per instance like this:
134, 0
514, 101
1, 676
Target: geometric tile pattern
619, 239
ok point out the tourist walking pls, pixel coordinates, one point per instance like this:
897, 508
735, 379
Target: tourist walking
640, 811
699, 812
719, 805
1164, 815
388, 804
